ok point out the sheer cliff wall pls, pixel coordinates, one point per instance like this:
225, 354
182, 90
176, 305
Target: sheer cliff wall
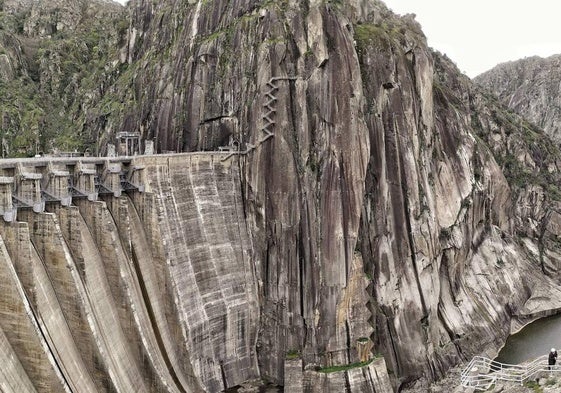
385, 160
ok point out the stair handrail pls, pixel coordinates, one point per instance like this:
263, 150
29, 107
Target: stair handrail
481, 372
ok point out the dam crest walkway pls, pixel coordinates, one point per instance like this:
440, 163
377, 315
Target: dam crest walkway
31, 183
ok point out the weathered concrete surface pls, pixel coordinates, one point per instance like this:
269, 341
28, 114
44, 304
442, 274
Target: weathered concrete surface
43, 299
128, 294
293, 376
13, 376
28, 355
153, 279
21, 325
207, 256
93, 290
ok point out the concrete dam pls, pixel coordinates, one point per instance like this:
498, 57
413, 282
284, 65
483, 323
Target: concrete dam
125, 275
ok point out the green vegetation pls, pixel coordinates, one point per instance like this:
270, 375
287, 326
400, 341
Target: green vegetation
22, 118
333, 369
12, 22
59, 87
550, 382
524, 153
445, 97
390, 33
534, 385
293, 354
370, 35
520, 175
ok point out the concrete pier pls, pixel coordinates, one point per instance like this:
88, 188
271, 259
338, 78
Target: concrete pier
32, 183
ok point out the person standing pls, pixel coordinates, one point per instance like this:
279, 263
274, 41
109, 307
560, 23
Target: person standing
552, 358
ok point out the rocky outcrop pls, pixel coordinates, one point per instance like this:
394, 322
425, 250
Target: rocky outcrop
434, 201
56, 57
530, 87
47, 18
12, 61
396, 160
373, 200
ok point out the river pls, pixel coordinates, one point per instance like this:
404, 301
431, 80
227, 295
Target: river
533, 340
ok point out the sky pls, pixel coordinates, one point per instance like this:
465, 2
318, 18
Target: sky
479, 34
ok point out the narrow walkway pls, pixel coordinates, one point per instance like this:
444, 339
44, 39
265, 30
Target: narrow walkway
481, 373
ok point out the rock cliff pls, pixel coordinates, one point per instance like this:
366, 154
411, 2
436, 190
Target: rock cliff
387, 155
529, 87
54, 60
377, 202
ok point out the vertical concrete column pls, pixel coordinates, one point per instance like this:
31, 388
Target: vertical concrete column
148, 148
112, 178
28, 188
111, 151
84, 180
135, 176
293, 376
57, 184
7, 208
364, 348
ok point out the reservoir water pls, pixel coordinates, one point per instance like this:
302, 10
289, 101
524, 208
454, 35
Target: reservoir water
533, 340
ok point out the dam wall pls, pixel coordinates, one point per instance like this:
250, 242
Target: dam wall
131, 275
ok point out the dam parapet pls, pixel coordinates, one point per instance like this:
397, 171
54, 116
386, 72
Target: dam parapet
32, 183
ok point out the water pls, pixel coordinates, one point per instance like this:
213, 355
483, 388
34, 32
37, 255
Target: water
535, 339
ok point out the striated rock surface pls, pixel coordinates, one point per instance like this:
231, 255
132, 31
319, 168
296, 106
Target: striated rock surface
530, 87
383, 156
379, 203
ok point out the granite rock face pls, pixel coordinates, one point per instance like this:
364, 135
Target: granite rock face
369, 199
530, 87
383, 156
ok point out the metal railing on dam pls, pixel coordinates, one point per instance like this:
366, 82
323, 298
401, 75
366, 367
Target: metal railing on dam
31, 183
481, 372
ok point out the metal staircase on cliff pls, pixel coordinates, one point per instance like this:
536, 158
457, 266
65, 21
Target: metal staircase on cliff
269, 111
481, 373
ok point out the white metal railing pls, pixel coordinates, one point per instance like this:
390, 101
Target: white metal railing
483, 372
